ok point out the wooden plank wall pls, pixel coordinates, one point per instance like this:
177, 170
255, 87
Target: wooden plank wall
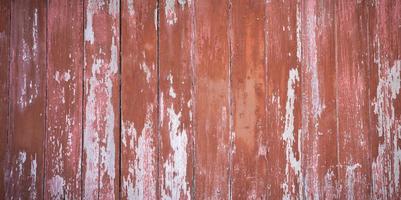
177, 99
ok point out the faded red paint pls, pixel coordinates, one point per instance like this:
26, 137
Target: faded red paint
101, 100
278, 99
28, 96
64, 104
385, 98
139, 100
248, 84
283, 96
318, 72
4, 87
176, 50
354, 171
211, 100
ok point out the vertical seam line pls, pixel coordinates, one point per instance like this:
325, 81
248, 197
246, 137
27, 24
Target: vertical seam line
158, 184
120, 102
46, 100
230, 99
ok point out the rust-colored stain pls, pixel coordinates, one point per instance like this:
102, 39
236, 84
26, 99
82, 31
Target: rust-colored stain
180, 99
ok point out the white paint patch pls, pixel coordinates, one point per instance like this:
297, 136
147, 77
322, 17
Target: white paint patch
388, 127
169, 10
312, 64
156, 13
140, 182
131, 9
161, 108
100, 119
28, 93
330, 188
171, 91
114, 7
65, 77
56, 187
32, 187
35, 35
299, 25
175, 167
288, 136
20, 163
350, 175
144, 67
92, 7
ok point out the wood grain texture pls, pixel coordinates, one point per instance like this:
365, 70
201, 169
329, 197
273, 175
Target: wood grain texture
319, 127
101, 100
236, 99
175, 98
249, 156
28, 100
5, 27
354, 170
283, 95
139, 100
211, 101
64, 103
385, 98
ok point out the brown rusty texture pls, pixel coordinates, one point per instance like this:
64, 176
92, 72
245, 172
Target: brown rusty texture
180, 99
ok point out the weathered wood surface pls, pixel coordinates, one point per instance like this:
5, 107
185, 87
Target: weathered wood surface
352, 77
24, 176
283, 99
5, 28
385, 98
212, 99
64, 103
248, 86
318, 75
101, 137
139, 81
278, 99
176, 48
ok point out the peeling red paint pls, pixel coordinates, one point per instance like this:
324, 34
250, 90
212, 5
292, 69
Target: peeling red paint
232, 99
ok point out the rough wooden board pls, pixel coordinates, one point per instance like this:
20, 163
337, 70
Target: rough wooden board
283, 95
319, 127
175, 99
385, 98
28, 90
211, 100
354, 170
64, 103
4, 88
249, 133
101, 100
139, 100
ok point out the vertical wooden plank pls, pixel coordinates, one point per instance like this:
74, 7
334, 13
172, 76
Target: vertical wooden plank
28, 93
139, 100
283, 46
319, 125
64, 104
101, 99
249, 159
175, 97
212, 139
385, 73
4, 89
353, 99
